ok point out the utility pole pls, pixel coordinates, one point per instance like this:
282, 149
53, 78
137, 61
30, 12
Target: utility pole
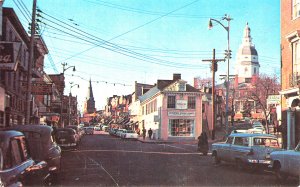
30, 62
214, 68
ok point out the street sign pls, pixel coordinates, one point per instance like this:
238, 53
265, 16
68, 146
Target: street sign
41, 88
9, 55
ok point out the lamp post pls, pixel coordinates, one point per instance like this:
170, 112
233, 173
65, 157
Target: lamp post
62, 94
228, 56
70, 95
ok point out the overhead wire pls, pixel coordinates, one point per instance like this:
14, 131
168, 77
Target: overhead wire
131, 30
118, 49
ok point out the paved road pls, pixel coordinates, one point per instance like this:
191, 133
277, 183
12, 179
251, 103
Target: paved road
103, 160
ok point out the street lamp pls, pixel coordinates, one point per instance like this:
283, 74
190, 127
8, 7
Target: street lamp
228, 56
62, 94
70, 95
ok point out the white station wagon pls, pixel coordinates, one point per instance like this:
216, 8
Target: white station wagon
245, 149
286, 163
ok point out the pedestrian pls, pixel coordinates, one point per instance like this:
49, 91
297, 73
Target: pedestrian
150, 133
138, 131
203, 143
144, 133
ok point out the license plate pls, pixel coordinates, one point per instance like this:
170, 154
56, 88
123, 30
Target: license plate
62, 140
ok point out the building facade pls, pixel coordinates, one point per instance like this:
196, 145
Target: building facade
290, 70
172, 109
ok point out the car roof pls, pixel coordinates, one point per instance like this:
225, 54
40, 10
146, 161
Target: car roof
43, 129
252, 135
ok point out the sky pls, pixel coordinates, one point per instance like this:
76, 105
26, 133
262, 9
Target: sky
114, 43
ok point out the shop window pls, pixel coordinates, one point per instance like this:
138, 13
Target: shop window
181, 127
191, 102
171, 102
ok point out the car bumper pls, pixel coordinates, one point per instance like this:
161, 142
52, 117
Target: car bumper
67, 145
255, 161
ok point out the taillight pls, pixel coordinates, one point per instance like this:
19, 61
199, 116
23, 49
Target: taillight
251, 152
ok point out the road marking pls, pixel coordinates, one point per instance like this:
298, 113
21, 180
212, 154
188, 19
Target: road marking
100, 165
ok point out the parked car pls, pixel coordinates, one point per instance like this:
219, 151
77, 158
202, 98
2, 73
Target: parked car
16, 165
112, 131
129, 134
119, 132
89, 130
245, 150
286, 163
66, 137
42, 146
97, 128
79, 131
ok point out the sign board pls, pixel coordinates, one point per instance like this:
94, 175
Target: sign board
181, 114
9, 55
156, 118
273, 99
41, 88
181, 104
2, 99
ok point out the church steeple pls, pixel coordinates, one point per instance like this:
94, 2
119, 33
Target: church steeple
90, 94
90, 102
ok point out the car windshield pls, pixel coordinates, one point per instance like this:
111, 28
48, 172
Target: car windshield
267, 142
130, 131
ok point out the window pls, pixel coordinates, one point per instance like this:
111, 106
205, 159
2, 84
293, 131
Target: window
296, 8
296, 58
171, 102
191, 102
229, 140
266, 142
181, 127
242, 141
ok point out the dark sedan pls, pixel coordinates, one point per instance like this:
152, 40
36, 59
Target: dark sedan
16, 165
66, 137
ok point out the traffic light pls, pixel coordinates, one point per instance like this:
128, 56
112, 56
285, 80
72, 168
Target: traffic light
228, 54
214, 66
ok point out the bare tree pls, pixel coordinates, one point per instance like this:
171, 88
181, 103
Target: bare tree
262, 86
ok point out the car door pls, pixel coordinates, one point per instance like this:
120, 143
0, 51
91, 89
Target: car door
224, 151
239, 148
294, 161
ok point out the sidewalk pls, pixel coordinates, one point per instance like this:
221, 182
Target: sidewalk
191, 142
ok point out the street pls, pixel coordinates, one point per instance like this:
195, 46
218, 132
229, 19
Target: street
104, 160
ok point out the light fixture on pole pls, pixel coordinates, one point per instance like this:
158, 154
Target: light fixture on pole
228, 56
62, 94
70, 95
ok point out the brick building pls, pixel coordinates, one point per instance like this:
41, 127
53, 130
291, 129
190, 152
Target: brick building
290, 70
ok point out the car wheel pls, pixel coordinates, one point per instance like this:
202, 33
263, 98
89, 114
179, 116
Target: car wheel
215, 159
239, 164
281, 177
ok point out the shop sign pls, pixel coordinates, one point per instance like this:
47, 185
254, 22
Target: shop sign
181, 113
41, 88
9, 55
181, 104
273, 99
2, 99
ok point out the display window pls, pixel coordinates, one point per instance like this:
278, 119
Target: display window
181, 127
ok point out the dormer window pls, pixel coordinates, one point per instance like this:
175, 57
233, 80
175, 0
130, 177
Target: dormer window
181, 86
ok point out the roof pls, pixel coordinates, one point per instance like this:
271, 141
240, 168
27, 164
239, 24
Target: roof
149, 94
248, 50
252, 135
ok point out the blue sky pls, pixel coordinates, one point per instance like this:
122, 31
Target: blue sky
163, 36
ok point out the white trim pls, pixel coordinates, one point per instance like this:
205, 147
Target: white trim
289, 91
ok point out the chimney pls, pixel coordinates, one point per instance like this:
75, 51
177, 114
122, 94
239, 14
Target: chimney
176, 76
